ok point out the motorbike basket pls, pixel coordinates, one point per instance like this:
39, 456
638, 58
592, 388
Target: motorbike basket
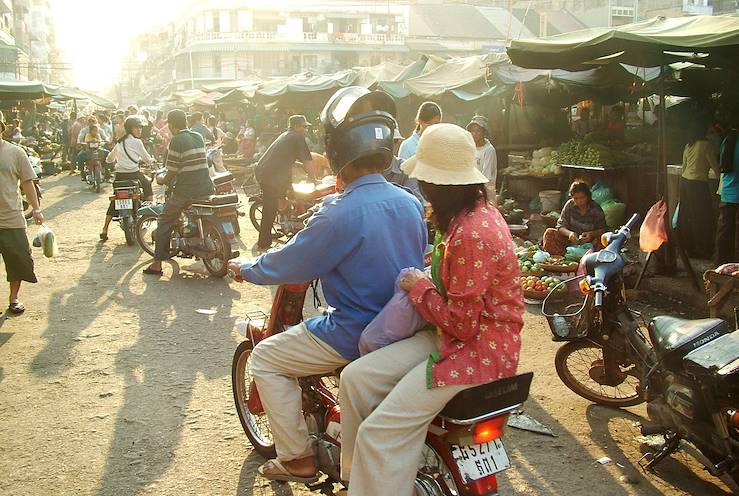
568, 315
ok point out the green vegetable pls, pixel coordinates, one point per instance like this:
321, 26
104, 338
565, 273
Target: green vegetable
48, 244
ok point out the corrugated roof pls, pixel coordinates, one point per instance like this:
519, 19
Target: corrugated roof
451, 21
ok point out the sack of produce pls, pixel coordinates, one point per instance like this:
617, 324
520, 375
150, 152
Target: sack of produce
46, 240
601, 193
615, 213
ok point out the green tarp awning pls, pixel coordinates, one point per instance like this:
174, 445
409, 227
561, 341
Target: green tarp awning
711, 40
25, 90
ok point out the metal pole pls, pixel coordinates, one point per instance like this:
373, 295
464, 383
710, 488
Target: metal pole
192, 77
662, 139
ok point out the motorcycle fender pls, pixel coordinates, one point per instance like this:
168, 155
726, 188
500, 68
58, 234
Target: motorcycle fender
153, 209
256, 198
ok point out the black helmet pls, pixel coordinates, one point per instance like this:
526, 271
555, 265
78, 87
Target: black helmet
358, 123
132, 122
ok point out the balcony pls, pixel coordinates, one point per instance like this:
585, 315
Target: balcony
298, 37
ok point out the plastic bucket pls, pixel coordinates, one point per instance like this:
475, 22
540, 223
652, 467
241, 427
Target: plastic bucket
551, 200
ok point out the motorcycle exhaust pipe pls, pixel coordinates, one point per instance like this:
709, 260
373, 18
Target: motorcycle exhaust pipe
652, 430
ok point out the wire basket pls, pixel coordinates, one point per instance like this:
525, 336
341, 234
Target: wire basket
569, 316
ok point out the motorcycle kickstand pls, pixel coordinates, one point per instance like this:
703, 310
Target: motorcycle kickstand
672, 443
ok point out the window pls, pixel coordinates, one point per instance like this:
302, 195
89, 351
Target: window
217, 65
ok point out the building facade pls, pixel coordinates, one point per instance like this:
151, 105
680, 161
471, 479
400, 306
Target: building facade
27, 43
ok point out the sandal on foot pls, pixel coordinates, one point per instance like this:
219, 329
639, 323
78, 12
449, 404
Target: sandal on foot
153, 272
276, 471
16, 308
103, 237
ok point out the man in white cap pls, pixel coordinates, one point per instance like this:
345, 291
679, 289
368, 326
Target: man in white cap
395, 175
487, 159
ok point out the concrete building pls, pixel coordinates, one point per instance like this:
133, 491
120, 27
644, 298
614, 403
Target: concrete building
27, 42
242, 39
677, 8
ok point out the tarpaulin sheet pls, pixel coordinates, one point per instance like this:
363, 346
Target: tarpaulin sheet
25, 90
649, 43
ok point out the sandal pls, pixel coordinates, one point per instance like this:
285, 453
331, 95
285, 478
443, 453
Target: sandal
276, 471
153, 272
16, 308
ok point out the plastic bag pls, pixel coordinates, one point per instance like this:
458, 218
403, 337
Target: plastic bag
577, 252
398, 320
676, 216
541, 256
46, 240
615, 213
653, 232
601, 193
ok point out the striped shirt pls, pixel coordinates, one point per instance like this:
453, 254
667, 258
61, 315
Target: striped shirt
186, 159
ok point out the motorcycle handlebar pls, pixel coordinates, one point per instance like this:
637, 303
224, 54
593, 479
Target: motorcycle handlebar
598, 298
632, 222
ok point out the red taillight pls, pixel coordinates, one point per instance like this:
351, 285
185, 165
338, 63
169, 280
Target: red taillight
121, 194
734, 418
490, 430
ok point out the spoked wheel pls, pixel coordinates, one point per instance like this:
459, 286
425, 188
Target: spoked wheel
255, 215
434, 476
217, 266
97, 179
580, 365
253, 419
129, 230
146, 226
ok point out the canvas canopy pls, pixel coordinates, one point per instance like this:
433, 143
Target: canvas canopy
66, 93
712, 40
25, 90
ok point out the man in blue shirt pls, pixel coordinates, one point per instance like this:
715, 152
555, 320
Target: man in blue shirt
729, 209
356, 244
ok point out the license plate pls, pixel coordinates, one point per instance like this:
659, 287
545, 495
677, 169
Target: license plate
126, 204
480, 460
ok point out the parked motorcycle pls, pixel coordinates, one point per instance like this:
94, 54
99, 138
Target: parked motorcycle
127, 201
687, 371
464, 449
205, 231
94, 164
291, 214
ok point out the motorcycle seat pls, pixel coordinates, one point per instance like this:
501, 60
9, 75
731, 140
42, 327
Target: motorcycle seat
125, 184
488, 400
222, 178
673, 337
218, 200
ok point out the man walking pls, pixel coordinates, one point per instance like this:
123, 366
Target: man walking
16, 173
187, 163
274, 171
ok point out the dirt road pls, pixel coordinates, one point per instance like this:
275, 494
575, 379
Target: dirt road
113, 384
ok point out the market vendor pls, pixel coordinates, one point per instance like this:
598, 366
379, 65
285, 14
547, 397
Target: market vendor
581, 221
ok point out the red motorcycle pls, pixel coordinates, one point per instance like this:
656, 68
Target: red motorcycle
295, 210
463, 451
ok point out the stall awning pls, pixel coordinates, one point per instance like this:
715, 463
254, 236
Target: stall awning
711, 39
66, 93
25, 90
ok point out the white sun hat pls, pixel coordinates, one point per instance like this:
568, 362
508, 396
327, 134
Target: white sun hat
445, 156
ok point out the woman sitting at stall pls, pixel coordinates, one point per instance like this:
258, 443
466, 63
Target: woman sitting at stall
581, 221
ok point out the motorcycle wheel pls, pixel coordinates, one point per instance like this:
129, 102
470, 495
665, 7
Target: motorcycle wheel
98, 180
578, 361
255, 215
146, 225
434, 477
256, 426
129, 230
218, 265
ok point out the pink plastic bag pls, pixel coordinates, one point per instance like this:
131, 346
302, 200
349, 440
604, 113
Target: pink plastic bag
398, 320
653, 232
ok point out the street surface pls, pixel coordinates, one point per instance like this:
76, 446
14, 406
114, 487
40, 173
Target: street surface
112, 384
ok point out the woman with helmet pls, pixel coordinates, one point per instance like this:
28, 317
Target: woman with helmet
128, 153
356, 244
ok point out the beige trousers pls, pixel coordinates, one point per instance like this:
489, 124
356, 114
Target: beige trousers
385, 412
276, 363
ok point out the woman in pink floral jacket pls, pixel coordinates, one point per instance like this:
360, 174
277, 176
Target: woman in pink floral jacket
389, 397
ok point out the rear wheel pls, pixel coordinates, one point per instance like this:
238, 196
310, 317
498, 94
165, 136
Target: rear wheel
580, 365
253, 421
217, 266
434, 476
129, 230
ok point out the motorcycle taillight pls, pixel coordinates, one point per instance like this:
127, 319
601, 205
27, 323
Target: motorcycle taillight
490, 430
121, 194
482, 487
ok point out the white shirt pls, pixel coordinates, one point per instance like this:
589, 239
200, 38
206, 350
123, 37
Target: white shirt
136, 150
487, 162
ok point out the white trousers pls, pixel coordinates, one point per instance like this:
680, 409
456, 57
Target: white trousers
385, 412
276, 363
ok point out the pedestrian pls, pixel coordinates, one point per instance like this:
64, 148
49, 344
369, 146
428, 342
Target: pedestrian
65, 131
729, 208
395, 175
16, 174
247, 138
217, 132
696, 220
428, 114
196, 125
485, 155
274, 171
186, 162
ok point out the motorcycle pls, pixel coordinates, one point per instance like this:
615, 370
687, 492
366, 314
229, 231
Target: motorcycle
127, 201
94, 164
687, 371
463, 453
205, 231
291, 213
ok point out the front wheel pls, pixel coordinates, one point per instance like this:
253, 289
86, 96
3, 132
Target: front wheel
255, 215
580, 366
97, 179
129, 230
248, 406
217, 265
146, 227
